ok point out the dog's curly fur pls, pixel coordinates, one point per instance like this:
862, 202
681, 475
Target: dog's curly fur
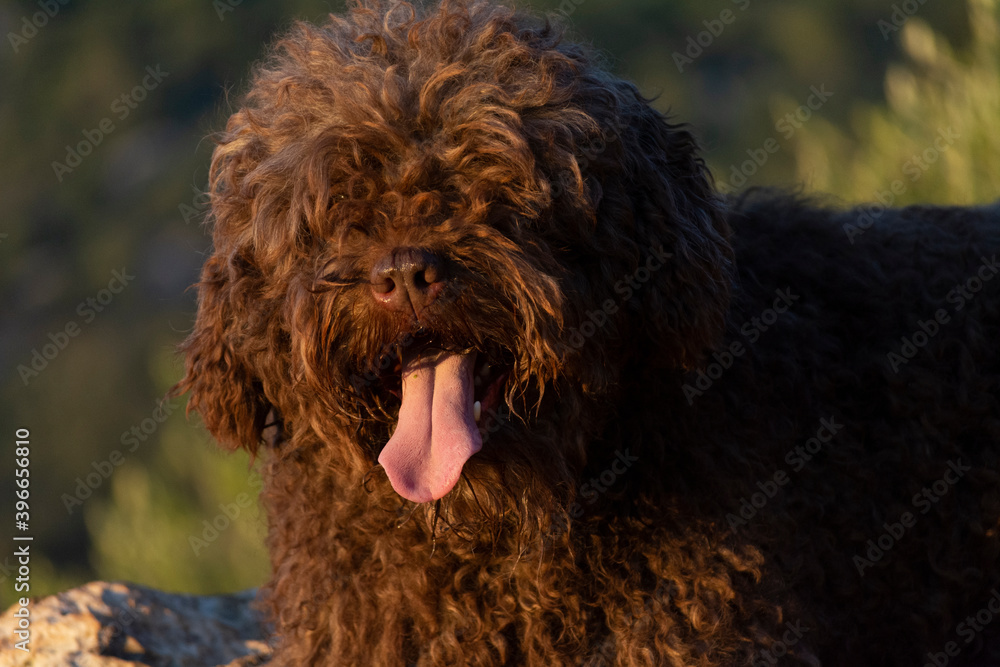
668, 351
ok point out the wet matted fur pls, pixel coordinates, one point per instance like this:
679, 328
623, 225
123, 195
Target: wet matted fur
718, 432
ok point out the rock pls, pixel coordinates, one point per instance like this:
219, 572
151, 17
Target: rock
116, 624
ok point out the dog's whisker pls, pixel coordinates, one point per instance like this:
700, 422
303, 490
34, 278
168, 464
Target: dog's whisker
437, 513
410, 509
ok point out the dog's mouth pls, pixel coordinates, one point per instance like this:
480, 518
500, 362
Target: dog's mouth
445, 392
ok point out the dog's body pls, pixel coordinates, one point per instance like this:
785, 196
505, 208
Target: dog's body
711, 432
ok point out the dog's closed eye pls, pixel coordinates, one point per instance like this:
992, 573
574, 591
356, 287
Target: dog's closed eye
337, 272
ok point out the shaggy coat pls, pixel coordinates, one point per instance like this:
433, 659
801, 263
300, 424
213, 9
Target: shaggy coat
713, 432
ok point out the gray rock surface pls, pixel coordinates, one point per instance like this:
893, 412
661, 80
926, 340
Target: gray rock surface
117, 624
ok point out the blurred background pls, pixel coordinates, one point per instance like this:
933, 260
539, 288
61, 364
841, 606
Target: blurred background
105, 108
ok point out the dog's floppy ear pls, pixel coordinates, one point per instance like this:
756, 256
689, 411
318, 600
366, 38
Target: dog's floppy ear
681, 222
224, 389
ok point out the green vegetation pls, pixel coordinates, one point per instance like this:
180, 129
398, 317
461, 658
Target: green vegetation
937, 133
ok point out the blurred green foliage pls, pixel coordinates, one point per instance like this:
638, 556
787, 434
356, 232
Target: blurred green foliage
133, 203
937, 134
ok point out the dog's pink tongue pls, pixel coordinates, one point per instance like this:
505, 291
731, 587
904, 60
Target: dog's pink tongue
436, 433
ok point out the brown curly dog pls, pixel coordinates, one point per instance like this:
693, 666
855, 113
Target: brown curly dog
528, 391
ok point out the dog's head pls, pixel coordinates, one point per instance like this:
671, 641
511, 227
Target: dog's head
434, 228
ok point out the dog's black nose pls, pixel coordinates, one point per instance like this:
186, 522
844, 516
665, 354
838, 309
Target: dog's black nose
408, 279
